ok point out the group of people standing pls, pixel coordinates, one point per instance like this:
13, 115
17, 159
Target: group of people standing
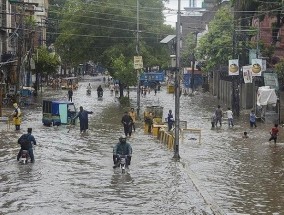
218, 115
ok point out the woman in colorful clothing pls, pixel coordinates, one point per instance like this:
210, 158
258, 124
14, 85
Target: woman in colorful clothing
17, 116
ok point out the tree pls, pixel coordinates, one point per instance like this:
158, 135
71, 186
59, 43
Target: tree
215, 47
279, 68
103, 30
46, 63
54, 18
260, 9
124, 72
189, 50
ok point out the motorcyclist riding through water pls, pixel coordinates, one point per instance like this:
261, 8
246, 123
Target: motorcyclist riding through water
122, 148
100, 91
26, 141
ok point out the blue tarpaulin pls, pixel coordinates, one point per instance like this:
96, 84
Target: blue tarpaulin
198, 80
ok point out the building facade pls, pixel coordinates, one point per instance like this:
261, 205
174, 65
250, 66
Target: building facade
22, 29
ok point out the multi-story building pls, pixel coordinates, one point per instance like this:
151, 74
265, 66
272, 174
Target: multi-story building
16, 39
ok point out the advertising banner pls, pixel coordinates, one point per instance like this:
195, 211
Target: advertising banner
234, 67
247, 74
256, 67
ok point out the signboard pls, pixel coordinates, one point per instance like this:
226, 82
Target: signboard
198, 80
256, 67
138, 62
15, 1
234, 67
152, 76
271, 79
247, 74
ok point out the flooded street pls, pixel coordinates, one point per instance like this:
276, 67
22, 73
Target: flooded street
73, 173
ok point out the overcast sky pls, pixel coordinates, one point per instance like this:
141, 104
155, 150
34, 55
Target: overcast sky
171, 17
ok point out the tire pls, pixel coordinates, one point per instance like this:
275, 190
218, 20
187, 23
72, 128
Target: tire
5, 101
22, 103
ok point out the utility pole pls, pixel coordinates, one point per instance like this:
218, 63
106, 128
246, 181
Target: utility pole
177, 87
193, 61
20, 44
137, 52
235, 80
1, 92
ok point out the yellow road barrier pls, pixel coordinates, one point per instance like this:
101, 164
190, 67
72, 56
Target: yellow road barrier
166, 138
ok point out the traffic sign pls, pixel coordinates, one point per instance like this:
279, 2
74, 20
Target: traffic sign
138, 62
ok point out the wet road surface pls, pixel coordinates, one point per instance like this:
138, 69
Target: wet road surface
73, 173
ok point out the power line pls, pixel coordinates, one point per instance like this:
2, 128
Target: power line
110, 5
114, 28
110, 14
110, 19
93, 36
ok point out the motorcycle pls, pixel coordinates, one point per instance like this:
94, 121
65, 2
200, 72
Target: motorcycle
100, 94
122, 162
88, 92
7, 100
25, 157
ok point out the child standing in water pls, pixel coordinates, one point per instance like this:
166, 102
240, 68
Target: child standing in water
252, 119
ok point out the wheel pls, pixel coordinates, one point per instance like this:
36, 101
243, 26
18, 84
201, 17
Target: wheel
123, 171
22, 103
5, 101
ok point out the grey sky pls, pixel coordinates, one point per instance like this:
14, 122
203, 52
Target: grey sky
171, 17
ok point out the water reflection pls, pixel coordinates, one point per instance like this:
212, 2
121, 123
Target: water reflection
119, 179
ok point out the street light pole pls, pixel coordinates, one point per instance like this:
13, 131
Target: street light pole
137, 51
177, 87
193, 61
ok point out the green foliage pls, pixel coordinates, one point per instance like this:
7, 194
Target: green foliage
124, 71
189, 50
272, 8
103, 30
30, 22
279, 68
46, 62
215, 47
54, 18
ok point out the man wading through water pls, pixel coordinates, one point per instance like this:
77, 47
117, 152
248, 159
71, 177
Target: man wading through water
83, 117
219, 115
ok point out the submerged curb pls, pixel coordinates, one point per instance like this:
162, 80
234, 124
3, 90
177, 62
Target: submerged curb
203, 192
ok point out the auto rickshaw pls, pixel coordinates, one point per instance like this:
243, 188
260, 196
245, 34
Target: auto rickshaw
70, 82
57, 112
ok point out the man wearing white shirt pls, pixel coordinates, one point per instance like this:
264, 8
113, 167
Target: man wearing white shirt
230, 117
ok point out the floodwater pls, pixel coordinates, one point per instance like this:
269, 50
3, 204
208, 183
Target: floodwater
73, 173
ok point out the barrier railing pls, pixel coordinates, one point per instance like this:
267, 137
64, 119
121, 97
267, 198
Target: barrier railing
6, 120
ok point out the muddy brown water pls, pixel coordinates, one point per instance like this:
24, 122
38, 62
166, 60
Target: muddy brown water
73, 173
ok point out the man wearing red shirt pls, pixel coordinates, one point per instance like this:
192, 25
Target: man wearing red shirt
274, 133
